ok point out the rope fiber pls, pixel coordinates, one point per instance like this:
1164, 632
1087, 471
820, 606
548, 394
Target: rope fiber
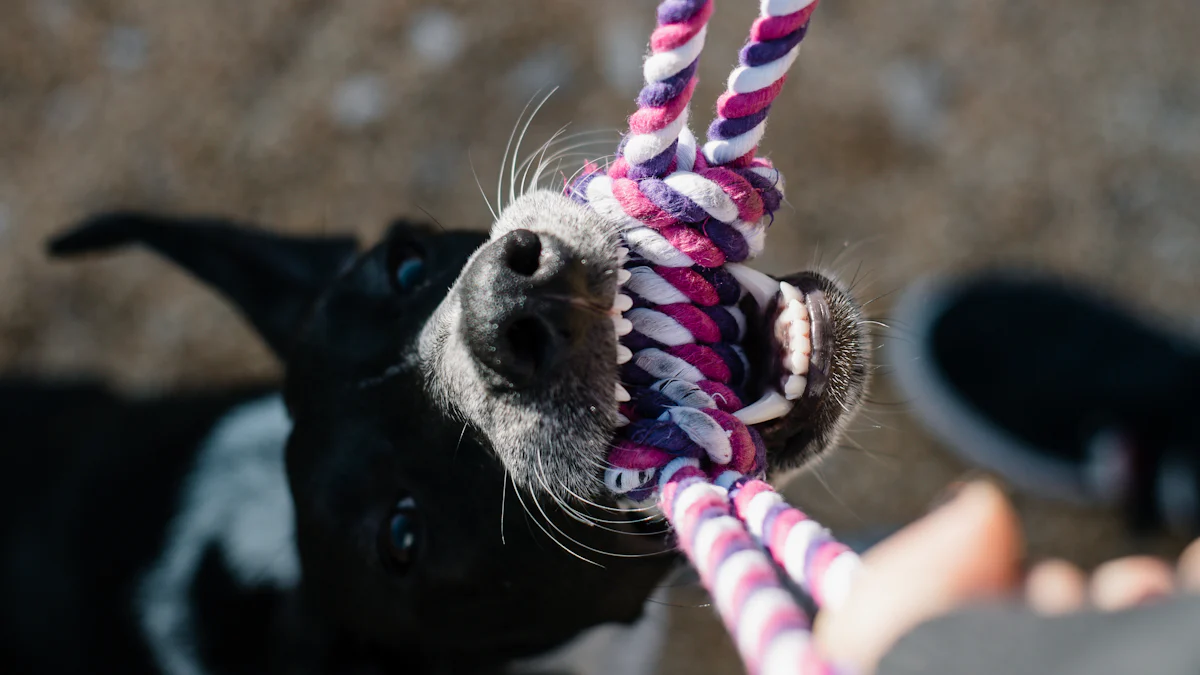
686, 213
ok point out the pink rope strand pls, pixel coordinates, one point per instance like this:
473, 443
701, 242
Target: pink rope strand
684, 214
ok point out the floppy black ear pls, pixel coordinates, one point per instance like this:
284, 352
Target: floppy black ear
272, 279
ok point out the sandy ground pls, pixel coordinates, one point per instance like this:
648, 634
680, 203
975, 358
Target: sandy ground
916, 137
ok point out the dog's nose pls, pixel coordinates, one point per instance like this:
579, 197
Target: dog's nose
523, 298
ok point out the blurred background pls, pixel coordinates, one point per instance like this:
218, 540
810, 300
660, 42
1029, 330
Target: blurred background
930, 135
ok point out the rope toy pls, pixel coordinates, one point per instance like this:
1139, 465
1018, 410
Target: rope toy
689, 216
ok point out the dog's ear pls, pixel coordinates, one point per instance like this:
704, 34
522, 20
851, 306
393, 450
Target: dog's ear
272, 279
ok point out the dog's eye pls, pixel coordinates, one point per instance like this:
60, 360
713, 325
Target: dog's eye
406, 266
410, 272
399, 537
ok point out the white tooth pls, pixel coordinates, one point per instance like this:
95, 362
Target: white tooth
761, 286
622, 255
789, 291
769, 407
623, 354
623, 303
622, 325
790, 321
801, 344
794, 387
622, 395
797, 363
623, 275
782, 328
622, 421
801, 327
795, 312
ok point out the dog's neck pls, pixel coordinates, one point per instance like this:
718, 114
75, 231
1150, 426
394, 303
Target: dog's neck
236, 502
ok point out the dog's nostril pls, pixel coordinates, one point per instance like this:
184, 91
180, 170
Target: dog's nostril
530, 343
522, 250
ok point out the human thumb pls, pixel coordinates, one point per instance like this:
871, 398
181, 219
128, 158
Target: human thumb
968, 549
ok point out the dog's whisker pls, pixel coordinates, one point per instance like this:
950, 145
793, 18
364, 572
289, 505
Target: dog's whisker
507, 147
571, 151
388, 373
529, 161
585, 150
479, 184
610, 509
461, 436
548, 533
580, 303
592, 520
512, 195
503, 501
571, 539
574, 149
603, 160
559, 137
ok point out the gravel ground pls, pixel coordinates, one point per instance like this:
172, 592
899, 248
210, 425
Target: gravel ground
916, 137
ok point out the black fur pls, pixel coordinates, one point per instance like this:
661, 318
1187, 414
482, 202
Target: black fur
93, 481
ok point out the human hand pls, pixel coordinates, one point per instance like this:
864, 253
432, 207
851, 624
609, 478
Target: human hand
967, 551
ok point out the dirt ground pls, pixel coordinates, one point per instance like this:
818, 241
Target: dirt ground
916, 137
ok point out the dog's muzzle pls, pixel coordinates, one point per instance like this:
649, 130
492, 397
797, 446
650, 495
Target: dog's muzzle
526, 303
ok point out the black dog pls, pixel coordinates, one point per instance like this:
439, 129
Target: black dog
423, 495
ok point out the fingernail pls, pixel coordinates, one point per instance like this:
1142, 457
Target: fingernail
954, 489
947, 495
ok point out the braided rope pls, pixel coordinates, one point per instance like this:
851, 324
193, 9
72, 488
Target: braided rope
685, 216
770, 630
670, 75
819, 564
764, 61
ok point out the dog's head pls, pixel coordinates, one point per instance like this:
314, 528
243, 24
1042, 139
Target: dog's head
453, 398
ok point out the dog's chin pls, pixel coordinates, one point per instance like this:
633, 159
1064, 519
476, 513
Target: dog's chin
554, 437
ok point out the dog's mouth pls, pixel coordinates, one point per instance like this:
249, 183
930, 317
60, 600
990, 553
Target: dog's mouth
787, 340
800, 345
792, 350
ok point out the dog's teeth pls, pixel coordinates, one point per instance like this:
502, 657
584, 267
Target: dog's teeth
622, 421
789, 291
801, 345
795, 312
622, 325
793, 387
797, 362
622, 395
622, 255
623, 303
623, 354
771, 406
623, 275
761, 286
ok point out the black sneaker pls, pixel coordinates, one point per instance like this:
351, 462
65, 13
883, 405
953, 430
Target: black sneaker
1060, 390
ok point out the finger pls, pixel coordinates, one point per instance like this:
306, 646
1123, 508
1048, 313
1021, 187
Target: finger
1189, 568
1125, 582
967, 549
1056, 587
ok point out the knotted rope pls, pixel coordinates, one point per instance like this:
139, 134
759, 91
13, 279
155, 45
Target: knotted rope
688, 218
